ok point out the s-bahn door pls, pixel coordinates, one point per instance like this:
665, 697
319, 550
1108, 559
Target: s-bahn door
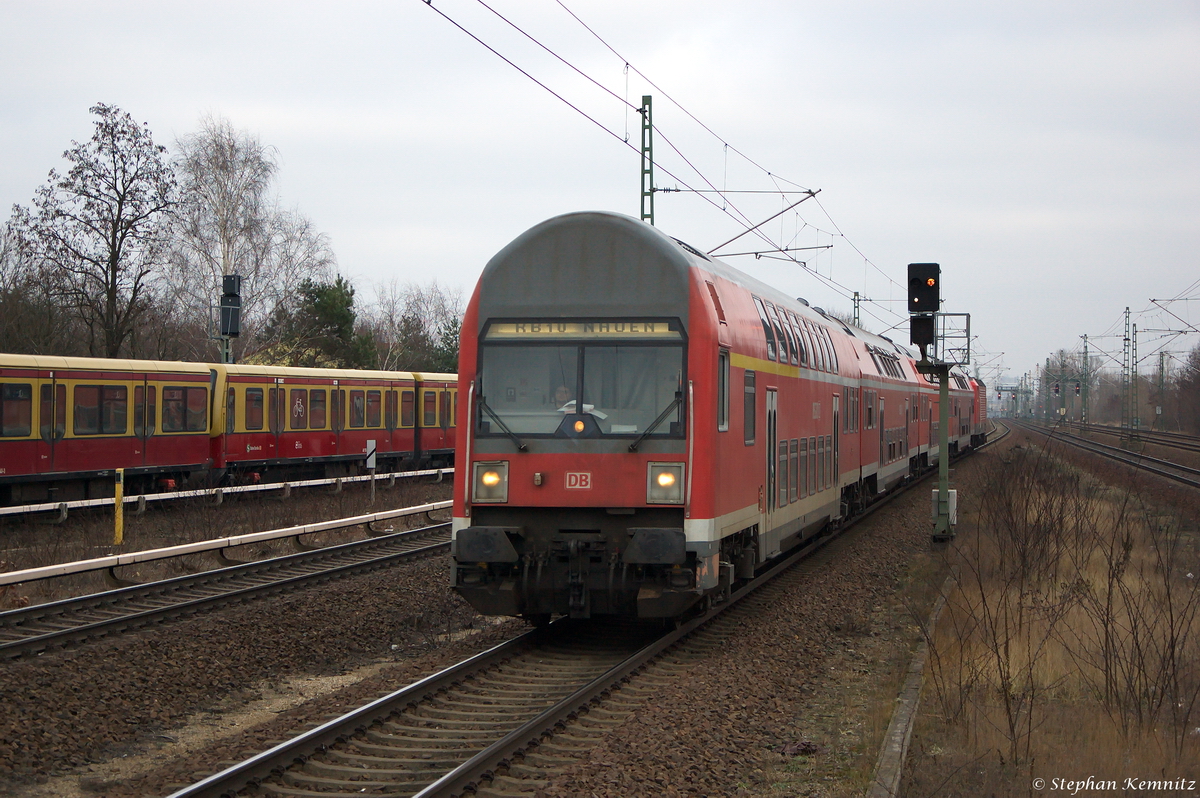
772, 453
52, 423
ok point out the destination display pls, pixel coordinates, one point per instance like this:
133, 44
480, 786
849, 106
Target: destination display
616, 328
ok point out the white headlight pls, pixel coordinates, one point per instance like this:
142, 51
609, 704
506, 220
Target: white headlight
491, 482
664, 483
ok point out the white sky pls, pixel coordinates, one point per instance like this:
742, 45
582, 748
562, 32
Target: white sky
1047, 154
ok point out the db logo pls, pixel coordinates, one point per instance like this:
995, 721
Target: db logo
579, 480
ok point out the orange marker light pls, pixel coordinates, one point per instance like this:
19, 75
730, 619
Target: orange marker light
931, 282
579, 426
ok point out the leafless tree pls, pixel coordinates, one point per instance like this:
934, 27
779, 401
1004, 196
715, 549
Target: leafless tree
96, 236
230, 222
415, 326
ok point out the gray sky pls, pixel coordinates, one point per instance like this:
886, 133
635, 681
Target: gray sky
1047, 154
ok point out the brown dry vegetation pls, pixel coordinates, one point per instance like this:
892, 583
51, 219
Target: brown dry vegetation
1070, 643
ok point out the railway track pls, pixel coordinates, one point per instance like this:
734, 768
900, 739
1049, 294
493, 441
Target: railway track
1182, 474
508, 720
73, 621
1173, 440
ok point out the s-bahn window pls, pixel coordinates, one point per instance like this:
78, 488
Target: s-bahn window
185, 409
749, 407
762, 316
316, 409
407, 409
53, 411
16, 409
722, 390
429, 409
101, 409
358, 408
254, 408
374, 408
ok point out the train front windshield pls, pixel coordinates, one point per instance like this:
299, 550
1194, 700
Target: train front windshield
614, 382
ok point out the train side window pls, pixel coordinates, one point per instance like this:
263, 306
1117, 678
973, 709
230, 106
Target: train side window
16, 409
712, 292
797, 337
749, 406
358, 408
784, 459
87, 410
230, 410
316, 409
454, 418
254, 408
803, 467
445, 409
407, 409
784, 345
374, 405
723, 391
101, 409
762, 316
795, 471
833, 361
185, 409
429, 405
820, 462
812, 465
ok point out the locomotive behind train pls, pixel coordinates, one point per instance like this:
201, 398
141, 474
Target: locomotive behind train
642, 425
67, 423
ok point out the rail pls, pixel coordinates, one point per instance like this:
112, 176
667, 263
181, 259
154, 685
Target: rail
217, 493
115, 560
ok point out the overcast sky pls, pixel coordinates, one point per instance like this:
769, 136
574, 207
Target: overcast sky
1046, 154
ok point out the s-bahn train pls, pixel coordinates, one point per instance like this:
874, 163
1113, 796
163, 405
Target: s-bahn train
67, 423
643, 425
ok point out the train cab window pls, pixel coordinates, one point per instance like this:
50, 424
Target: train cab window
429, 408
389, 410
53, 412
316, 409
254, 408
298, 408
101, 409
445, 408
374, 408
770, 335
794, 473
358, 408
230, 411
408, 414
749, 407
16, 409
722, 391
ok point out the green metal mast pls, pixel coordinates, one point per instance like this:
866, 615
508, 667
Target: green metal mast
1087, 378
647, 161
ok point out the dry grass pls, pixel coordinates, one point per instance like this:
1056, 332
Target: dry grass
1070, 645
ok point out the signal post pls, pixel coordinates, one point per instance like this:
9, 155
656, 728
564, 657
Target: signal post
928, 329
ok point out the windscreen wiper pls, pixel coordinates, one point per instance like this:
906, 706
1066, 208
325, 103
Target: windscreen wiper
503, 427
653, 426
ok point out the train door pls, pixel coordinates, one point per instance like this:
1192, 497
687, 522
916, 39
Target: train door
835, 473
276, 416
52, 424
337, 418
772, 454
882, 437
144, 410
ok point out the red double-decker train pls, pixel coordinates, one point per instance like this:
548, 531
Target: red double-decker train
67, 423
643, 425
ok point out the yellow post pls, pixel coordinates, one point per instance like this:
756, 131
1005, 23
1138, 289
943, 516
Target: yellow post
119, 508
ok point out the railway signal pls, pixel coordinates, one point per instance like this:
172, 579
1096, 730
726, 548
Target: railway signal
924, 287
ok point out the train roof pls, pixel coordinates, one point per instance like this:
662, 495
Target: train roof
241, 369
55, 362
